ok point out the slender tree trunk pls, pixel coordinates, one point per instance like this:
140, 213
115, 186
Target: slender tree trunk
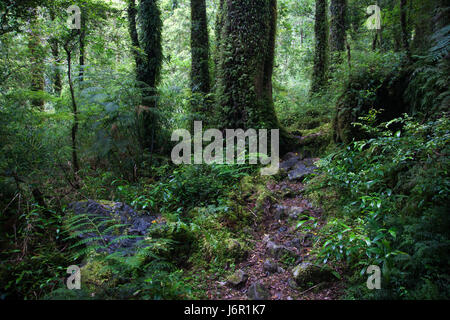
200, 81
54, 46
302, 37
375, 41
82, 46
36, 59
75, 164
321, 55
57, 81
132, 12
218, 33
404, 27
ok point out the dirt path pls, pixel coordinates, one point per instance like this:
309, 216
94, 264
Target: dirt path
279, 247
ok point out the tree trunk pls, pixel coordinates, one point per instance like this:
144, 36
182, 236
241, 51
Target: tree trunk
404, 27
54, 46
320, 71
132, 12
200, 81
149, 71
82, 49
36, 59
245, 66
338, 25
75, 164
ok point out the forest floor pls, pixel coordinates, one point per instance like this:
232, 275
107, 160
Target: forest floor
278, 234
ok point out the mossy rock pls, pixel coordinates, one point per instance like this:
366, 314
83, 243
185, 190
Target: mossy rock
236, 249
96, 274
370, 89
308, 274
237, 279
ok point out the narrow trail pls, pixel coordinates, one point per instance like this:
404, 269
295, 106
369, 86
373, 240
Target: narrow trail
267, 273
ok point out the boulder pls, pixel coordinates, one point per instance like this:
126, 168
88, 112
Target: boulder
308, 274
270, 266
302, 169
278, 251
237, 279
131, 227
236, 249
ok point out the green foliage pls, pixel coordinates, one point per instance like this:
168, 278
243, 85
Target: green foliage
184, 188
33, 263
393, 191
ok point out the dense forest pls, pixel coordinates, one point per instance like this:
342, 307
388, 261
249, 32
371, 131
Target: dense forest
116, 117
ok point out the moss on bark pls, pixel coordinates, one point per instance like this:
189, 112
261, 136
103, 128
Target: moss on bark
245, 66
320, 71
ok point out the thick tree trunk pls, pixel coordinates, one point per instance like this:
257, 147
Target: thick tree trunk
149, 71
245, 66
338, 25
150, 40
321, 55
200, 81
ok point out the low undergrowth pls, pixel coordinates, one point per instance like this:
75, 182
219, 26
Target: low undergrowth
387, 204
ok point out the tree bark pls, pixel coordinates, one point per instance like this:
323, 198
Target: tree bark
132, 12
149, 71
75, 164
36, 59
338, 25
54, 46
200, 81
321, 55
404, 27
245, 66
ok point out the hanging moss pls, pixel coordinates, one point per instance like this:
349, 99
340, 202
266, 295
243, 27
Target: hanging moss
245, 65
320, 71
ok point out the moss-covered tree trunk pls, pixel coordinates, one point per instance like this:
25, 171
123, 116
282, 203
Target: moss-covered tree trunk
200, 81
321, 55
132, 29
82, 56
54, 46
245, 66
338, 25
150, 40
149, 70
404, 27
36, 59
